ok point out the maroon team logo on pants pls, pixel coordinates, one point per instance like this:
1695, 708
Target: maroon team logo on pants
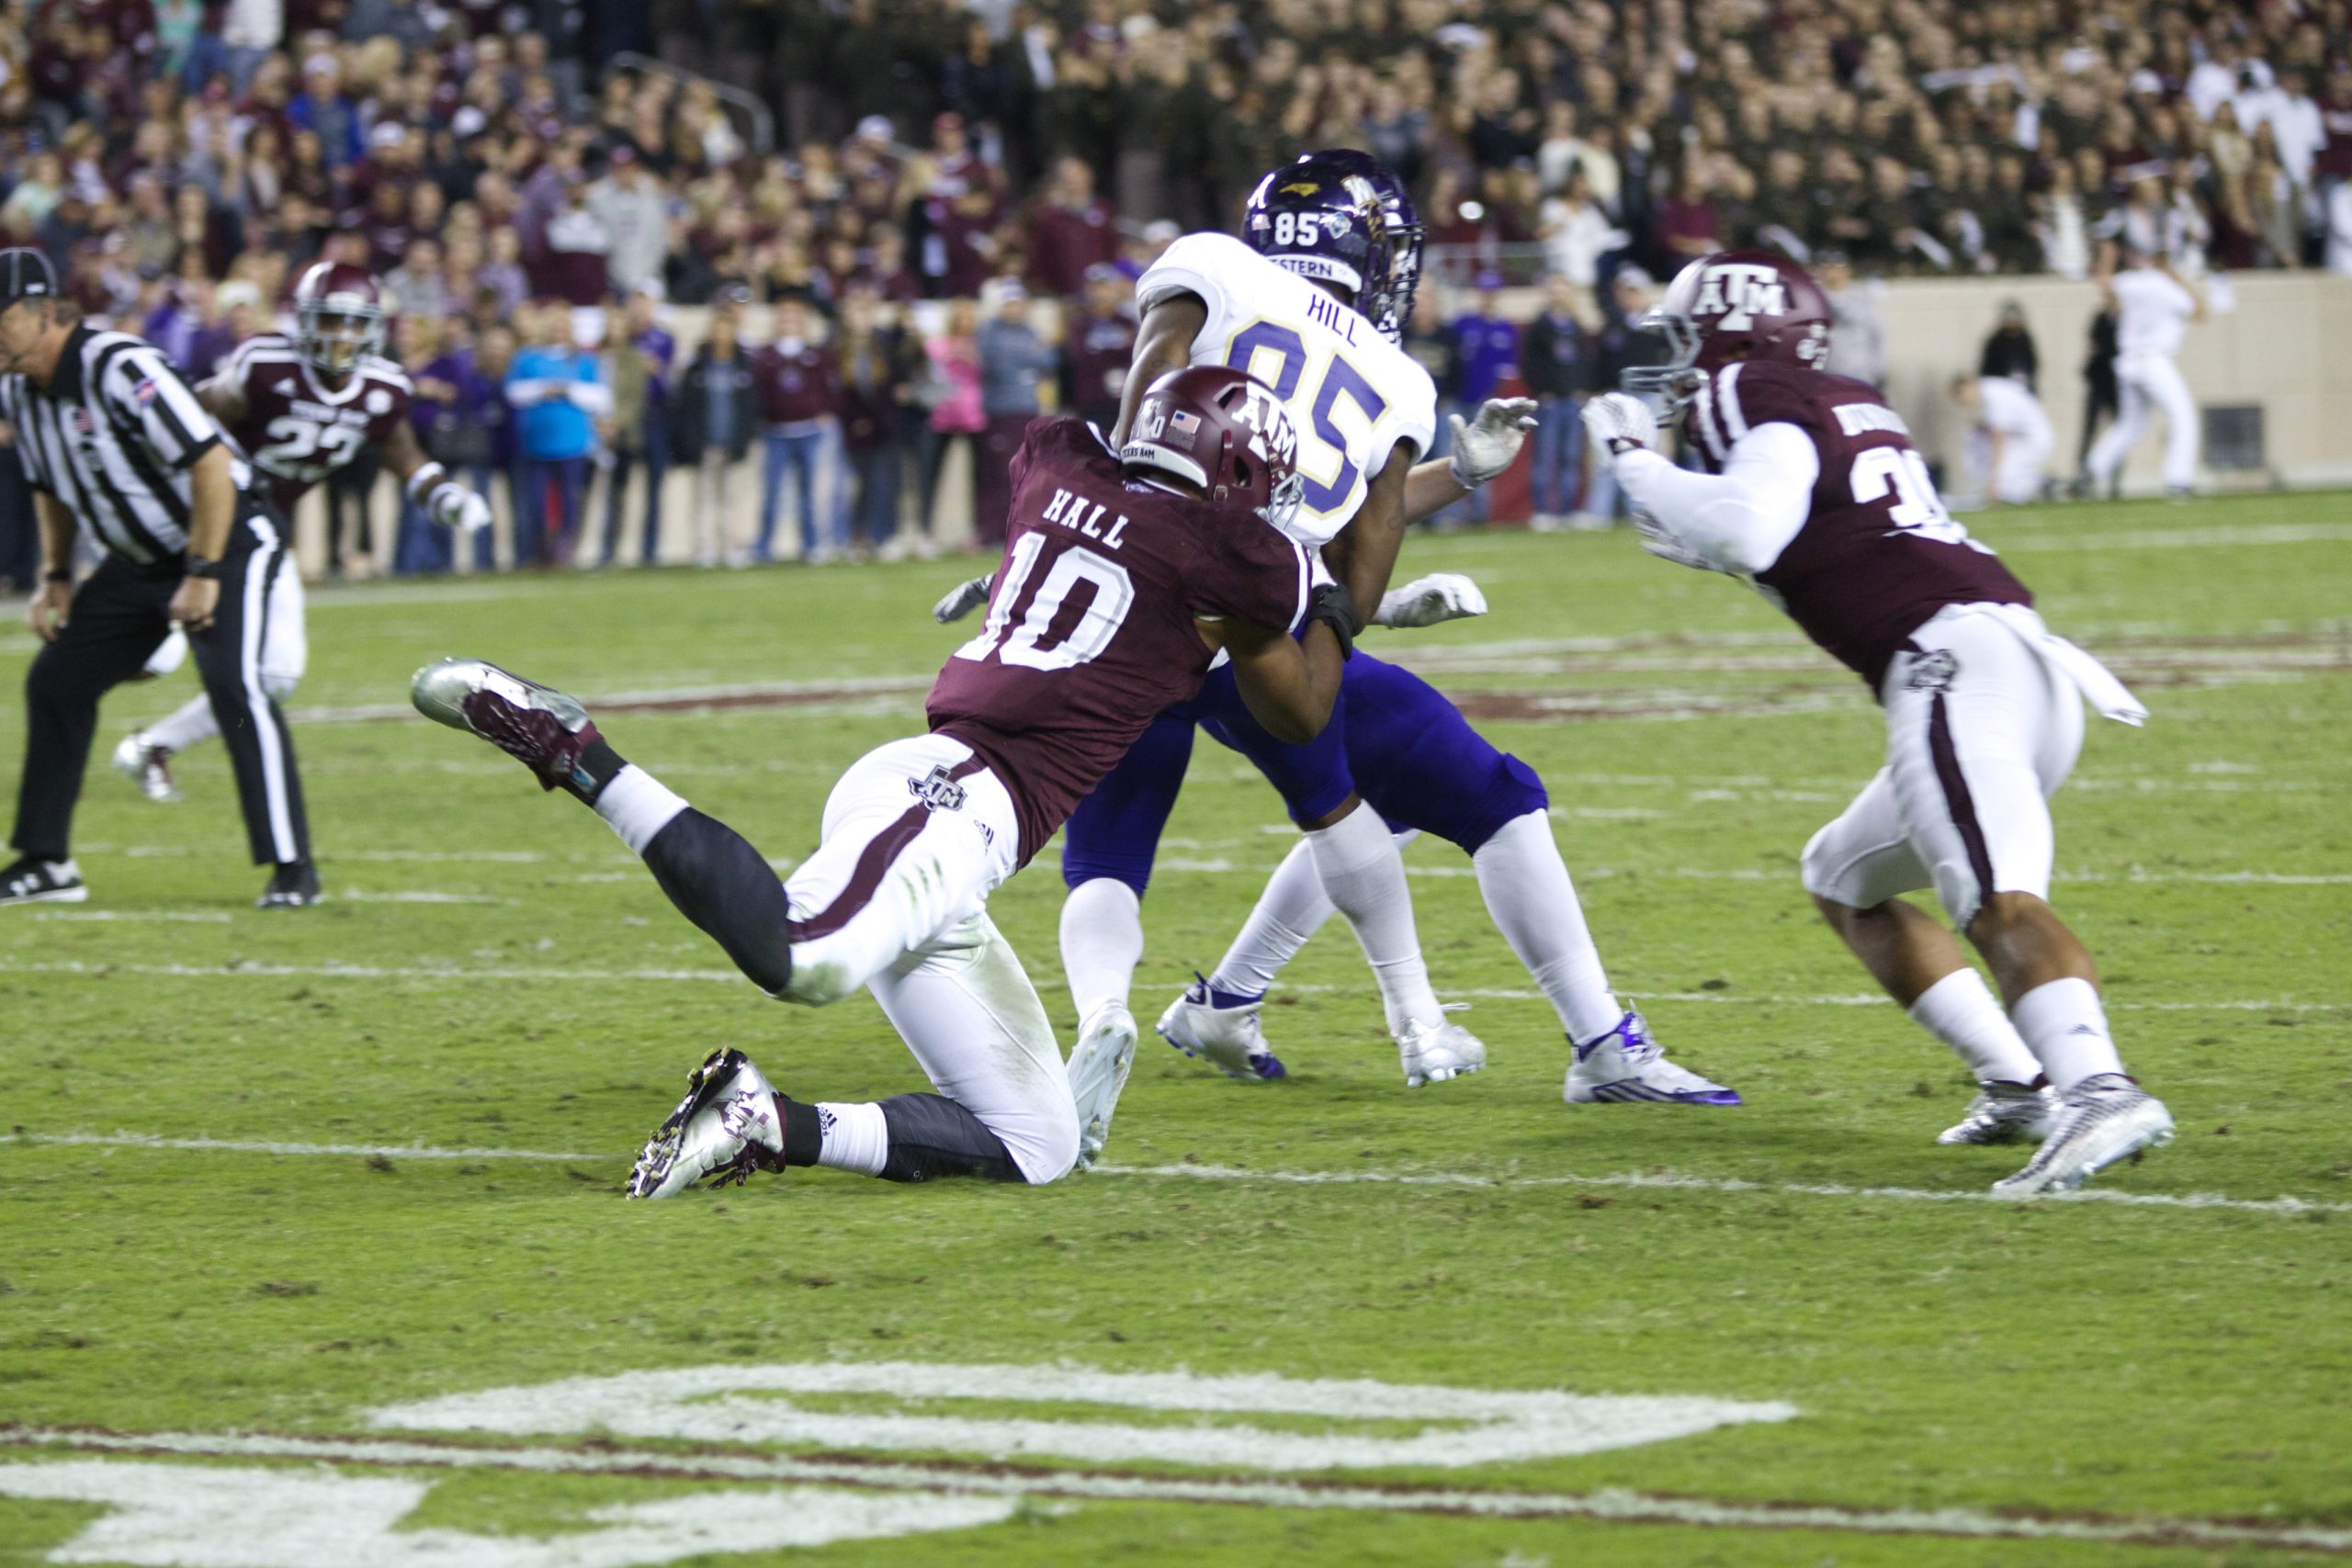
1931, 672
940, 792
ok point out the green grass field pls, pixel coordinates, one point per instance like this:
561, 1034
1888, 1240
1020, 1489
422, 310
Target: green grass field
267, 1176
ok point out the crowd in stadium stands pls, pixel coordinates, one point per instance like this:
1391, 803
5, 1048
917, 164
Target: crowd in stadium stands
535, 188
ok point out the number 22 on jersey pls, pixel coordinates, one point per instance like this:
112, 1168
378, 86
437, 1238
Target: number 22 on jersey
1114, 594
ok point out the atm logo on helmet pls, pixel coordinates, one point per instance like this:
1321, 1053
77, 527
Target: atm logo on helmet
1738, 292
1277, 438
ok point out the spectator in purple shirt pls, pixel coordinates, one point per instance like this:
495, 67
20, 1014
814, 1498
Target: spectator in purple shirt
1487, 347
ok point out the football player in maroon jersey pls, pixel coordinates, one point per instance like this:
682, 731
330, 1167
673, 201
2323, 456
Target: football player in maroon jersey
1813, 493
301, 408
1122, 576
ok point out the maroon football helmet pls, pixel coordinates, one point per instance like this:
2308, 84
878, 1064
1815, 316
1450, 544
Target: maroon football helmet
1733, 305
338, 317
1223, 430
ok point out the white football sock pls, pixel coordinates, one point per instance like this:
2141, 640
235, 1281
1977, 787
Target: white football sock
193, 725
856, 1137
1364, 876
1533, 904
1959, 1010
2065, 1025
1291, 909
638, 805
1102, 944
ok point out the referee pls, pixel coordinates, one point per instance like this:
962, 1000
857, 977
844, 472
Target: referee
115, 442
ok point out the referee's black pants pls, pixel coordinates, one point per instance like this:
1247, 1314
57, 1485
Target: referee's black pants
120, 616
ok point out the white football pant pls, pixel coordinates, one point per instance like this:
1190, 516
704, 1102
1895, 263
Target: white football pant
2025, 463
285, 656
1983, 724
917, 834
2146, 381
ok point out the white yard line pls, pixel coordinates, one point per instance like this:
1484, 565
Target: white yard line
1654, 1181
561, 976
1610, 1507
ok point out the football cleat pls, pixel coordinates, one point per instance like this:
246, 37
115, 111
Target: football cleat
147, 765
2004, 1113
31, 881
1099, 1065
1227, 1037
544, 729
1432, 1053
1626, 1066
292, 885
2101, 1120
726, 1127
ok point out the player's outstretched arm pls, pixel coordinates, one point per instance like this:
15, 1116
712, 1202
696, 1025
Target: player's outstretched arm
1483, 447
1738, 521
1364, 554
429, 485
1163, 342
1289, 683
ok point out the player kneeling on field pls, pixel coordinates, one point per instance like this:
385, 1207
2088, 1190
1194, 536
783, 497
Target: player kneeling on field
1123, 575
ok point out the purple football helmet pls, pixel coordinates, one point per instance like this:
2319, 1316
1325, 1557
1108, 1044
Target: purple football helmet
1340, 217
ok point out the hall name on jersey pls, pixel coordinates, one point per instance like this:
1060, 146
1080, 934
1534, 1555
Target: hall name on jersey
1081, 516
1865, 418
331, 414
1321, 308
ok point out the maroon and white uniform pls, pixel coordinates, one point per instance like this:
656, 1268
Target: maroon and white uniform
296, 430
1089, 636
1814, 492
1089, 632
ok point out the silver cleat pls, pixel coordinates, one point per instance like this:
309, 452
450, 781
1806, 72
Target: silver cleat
1435, 1053
2101, 1120
2006, 1114
1098, 1068
725, 1129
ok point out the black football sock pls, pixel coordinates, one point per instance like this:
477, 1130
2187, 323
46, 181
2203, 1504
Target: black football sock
931, 1136
727, 888
598, 763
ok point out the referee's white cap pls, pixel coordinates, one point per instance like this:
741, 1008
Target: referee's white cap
24, 274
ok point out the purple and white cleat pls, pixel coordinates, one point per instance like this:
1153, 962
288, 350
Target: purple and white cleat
544, 729
1626, 1066
1221, 1031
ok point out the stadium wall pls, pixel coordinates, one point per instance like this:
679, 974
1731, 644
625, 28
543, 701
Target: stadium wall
2280, 346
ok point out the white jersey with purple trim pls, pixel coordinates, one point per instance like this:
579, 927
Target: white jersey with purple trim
1352, 393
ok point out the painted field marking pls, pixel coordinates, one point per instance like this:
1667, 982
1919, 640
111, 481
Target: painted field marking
1607, 1507
735, 1402
186, 1515
1669, 1181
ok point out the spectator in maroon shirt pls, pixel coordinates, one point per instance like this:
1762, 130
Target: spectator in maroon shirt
573, 264
1070, 229
1098, 345
1686, 223
799, 394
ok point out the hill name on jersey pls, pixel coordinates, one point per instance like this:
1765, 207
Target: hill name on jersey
1352, 394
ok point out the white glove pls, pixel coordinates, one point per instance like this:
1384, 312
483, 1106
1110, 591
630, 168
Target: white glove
963, 599
1440, 596
453, 506
1619, 422
1485, 447
1659, 542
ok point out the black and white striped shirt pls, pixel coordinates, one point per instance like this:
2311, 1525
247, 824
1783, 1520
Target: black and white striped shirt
113, 437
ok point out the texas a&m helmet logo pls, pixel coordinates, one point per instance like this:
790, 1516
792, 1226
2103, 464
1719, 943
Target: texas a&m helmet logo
1736, 293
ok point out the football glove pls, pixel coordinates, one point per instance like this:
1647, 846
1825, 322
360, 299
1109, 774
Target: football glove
1486, 446
1619, 422
1440, 596
1661, 543
453, 506
963, 599
1335, 607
